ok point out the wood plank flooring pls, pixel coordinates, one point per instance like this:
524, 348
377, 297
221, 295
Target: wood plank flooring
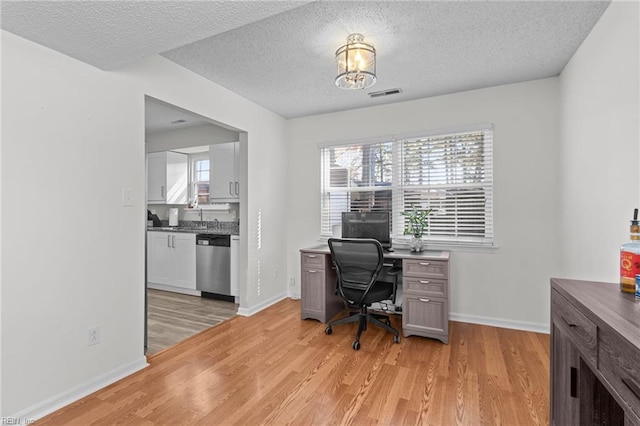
274, 368
172, 317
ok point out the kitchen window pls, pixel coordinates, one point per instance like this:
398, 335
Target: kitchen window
200, 171
449, 172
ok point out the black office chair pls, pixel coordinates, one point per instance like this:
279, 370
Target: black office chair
359, 262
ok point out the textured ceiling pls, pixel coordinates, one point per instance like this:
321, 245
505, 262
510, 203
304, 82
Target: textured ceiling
280, 54
160, 116
109, 34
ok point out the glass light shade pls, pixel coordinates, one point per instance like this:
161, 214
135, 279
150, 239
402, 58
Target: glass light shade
356, 62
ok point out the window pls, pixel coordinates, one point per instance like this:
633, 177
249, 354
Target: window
449, 172
200, 178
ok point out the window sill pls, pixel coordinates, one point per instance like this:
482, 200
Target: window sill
432, 245
459, 247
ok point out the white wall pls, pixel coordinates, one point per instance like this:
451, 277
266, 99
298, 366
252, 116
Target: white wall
71, 142
600, 145
72, 139
508, 285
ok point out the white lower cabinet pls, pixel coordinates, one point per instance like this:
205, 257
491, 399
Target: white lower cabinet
171, 259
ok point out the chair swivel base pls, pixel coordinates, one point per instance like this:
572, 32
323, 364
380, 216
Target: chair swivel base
362, 318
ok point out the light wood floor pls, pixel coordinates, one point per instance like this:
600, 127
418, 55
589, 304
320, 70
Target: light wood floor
172, 317
273, 368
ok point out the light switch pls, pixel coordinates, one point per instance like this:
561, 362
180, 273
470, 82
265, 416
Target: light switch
127, 197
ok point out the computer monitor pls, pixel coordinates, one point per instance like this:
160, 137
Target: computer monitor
367, 225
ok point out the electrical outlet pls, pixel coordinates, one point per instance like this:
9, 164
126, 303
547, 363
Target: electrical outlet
93, 336
292, 282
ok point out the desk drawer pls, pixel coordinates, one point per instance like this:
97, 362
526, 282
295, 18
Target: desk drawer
313, 260
578, 328
428, 317
422, 286
620, 364
425, 268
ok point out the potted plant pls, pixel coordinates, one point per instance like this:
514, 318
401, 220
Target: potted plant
418, 222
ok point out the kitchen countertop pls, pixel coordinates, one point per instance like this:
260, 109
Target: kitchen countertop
192, 230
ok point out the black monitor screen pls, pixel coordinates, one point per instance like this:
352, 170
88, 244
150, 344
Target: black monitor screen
367, 225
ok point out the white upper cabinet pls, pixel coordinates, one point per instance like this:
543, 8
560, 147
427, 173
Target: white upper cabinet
225, 169
167, 178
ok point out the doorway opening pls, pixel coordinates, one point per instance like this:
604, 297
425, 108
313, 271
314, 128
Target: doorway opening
187, 197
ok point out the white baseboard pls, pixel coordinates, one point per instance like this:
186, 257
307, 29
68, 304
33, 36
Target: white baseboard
502, 323
247, 312
294, 294
174, 289
56, 402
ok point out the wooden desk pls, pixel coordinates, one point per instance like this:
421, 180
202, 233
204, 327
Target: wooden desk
425, 295
595, 354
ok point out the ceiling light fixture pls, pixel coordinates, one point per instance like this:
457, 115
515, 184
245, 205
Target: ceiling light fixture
356, 62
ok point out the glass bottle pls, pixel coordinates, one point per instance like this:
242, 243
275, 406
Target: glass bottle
630, 259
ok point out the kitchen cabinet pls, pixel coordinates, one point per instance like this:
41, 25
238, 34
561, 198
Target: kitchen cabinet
167, 178
171, 259
225, 170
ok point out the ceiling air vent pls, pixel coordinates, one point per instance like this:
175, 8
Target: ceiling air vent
384, 93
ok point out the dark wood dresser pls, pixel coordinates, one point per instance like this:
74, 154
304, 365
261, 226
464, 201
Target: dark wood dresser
595, 354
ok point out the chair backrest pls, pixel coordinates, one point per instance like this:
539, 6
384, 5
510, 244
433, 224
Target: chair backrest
358, 262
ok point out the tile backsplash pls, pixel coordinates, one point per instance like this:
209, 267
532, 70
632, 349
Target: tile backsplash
230, 215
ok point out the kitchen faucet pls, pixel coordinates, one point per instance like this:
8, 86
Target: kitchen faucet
216, 222
201, 221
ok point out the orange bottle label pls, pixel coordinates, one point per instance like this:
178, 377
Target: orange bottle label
629, 268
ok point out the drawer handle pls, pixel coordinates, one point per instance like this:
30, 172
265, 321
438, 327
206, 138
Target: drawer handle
568, 323
425, 263
574, 382
312, 271
632, 385
424, 300
424, 282
311, 255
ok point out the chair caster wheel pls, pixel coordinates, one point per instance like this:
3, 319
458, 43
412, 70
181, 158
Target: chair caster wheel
396, 339
328, 330
356, 346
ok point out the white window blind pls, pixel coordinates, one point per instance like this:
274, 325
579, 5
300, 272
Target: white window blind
449, 173
355, 178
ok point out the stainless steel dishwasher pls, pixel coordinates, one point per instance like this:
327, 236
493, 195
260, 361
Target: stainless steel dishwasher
213, 265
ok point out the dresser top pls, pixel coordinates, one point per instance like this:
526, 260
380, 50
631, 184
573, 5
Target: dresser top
605, 305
